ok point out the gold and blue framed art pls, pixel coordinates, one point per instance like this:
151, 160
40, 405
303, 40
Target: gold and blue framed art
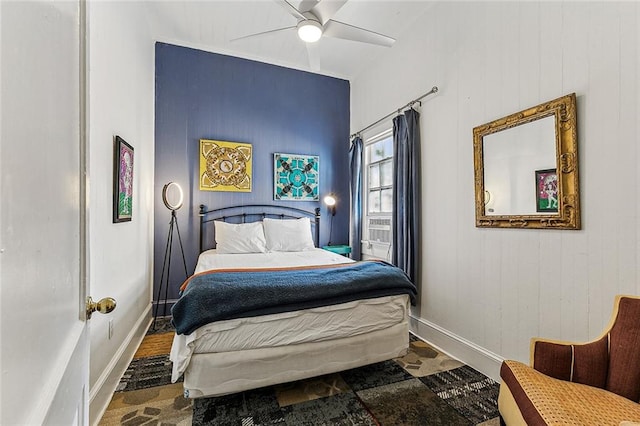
296, 177
225, 166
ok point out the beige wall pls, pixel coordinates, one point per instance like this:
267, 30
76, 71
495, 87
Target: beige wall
485, 292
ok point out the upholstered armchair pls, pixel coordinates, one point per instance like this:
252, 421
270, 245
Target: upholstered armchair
594, 383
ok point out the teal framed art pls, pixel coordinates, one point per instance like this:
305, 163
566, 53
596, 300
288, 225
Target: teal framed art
296, 177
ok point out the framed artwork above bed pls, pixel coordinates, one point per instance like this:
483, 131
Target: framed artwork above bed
296, 177
225, 166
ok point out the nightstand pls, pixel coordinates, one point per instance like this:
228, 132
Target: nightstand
339, 249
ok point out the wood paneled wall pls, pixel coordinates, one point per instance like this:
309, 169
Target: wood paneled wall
491, 289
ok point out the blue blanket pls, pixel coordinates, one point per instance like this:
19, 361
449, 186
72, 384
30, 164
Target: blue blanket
215, 296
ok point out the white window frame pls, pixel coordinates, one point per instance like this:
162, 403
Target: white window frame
374, 249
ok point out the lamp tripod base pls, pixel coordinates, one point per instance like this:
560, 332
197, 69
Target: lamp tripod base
166, 267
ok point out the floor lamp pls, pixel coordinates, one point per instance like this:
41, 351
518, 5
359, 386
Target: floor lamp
172, 197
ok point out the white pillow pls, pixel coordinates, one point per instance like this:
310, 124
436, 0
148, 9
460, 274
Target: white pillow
288, 234
240, 237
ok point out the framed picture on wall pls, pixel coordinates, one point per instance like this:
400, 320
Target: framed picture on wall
547, 191
296, 177
122, 181
225, 166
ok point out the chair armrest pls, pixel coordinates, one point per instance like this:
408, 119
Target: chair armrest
585, 363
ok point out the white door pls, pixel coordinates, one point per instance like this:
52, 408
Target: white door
44, 338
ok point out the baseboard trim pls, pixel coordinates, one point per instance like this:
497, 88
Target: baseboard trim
457, 347
101, 393
163, 307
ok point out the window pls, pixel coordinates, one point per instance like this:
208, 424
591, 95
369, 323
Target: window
380, 170
378, 196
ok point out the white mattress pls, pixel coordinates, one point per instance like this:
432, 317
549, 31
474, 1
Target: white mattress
320, 324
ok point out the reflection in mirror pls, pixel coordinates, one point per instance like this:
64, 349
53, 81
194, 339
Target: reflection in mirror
509, 158
526, 168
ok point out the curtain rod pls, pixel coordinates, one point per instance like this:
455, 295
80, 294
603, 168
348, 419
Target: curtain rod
433, 90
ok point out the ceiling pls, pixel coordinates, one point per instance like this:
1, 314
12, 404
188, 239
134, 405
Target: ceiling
212, 25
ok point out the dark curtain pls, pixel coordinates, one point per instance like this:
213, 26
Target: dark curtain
406, 193
355, 169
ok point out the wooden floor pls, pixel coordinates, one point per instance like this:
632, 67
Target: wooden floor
154, 345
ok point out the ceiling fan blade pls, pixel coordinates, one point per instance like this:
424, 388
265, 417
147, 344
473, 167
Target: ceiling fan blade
307, 5
349, 32
324, 10
263, 33
313, 54
290, 9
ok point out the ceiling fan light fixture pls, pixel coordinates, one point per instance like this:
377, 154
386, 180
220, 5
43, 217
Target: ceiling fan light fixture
309, 30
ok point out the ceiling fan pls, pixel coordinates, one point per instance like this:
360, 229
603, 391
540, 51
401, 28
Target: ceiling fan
314, 22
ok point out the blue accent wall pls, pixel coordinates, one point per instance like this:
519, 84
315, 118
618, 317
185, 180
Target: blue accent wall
202, 95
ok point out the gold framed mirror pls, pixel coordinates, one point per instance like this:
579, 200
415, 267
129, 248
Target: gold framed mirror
526, 168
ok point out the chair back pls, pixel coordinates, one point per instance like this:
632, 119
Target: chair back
623, 376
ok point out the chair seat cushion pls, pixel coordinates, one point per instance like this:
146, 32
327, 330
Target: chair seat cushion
543, 400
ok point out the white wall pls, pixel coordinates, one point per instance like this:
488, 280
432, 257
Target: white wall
121, 74
490, 289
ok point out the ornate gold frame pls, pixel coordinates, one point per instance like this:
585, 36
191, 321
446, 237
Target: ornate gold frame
568, 216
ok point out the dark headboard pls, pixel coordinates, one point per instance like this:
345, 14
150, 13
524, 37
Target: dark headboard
251, 213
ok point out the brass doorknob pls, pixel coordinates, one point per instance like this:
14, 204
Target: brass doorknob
104, 306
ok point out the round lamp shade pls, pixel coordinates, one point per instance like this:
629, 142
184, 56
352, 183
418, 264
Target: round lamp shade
309, 30
172, 196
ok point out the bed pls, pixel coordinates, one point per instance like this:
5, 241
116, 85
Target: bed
260, 312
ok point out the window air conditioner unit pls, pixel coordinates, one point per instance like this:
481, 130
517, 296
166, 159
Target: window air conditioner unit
379, 229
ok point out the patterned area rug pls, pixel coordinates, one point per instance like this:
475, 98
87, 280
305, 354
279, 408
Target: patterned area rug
145, 395
424, 387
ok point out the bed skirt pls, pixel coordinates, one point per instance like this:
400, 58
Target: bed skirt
216, 374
